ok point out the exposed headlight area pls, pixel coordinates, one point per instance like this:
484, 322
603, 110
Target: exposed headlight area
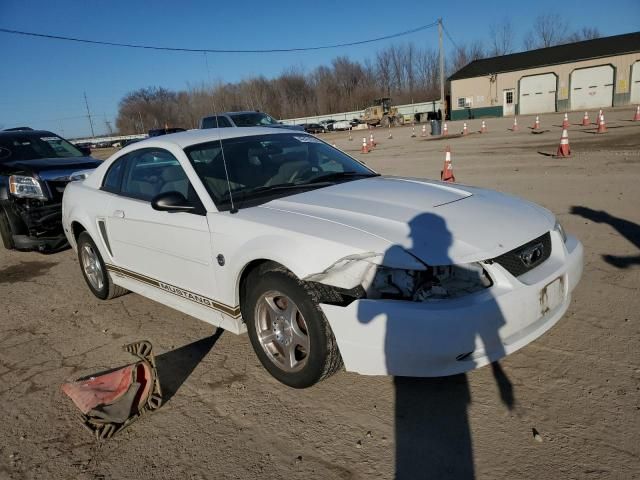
25, 187
432, 284
558, 228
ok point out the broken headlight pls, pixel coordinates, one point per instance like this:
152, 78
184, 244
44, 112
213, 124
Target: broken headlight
25, 187
434, 283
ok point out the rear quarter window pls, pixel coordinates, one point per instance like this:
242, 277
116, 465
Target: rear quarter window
113, 178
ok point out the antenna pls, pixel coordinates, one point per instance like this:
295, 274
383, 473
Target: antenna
224, 160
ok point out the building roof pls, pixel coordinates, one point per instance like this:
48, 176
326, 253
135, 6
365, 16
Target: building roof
570, 52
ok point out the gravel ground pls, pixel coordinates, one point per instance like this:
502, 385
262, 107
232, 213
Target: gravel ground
566, 406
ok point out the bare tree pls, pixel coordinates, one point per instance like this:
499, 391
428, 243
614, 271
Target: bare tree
404, 72
501, 38
585, 33
548, 30
465, 54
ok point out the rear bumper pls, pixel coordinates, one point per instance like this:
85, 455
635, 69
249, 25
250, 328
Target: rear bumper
430, 339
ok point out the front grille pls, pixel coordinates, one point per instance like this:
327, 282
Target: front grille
512, 261
56, 187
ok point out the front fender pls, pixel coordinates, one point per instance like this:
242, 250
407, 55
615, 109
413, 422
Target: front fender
307, 256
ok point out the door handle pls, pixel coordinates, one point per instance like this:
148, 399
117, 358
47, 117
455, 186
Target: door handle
118, 214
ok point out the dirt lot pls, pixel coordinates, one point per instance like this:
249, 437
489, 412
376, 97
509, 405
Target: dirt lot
578, 386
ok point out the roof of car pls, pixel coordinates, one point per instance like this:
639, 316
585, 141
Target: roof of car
193, 137
219, 114
30, 133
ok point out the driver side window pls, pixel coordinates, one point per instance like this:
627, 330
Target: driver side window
150, 172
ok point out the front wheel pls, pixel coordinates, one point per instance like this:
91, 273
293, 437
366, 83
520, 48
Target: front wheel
94, 270
288, 331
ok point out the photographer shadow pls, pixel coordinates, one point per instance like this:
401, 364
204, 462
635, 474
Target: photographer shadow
432, 431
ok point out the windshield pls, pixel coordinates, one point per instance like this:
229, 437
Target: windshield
253, 119
32, 147
262, 167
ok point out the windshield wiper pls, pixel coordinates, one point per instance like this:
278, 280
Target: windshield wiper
338, 175
241, 195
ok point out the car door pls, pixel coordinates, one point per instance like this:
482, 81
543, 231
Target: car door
170, 250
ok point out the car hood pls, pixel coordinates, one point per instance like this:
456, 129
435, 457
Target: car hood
437, 222
48, 164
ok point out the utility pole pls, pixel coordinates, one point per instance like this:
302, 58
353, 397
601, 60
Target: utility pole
89, 114
442, 105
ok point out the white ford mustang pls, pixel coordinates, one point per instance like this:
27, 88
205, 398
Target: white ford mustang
321, 260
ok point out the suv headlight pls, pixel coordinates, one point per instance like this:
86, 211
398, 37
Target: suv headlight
25, 187
558, 228
434, 283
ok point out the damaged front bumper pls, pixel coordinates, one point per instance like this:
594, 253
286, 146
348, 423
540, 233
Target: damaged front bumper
36, 225
447, 337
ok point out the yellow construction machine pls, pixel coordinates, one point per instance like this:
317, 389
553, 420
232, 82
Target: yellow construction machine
382, 113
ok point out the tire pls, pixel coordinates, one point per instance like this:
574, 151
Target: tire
385, 122
274, 340
5, 231
94, 270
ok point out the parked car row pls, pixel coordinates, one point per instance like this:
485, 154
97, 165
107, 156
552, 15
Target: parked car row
325, 126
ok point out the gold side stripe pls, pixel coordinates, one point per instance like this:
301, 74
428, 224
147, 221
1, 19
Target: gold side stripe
177, 291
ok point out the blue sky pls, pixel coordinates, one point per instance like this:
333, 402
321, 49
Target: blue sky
43, 81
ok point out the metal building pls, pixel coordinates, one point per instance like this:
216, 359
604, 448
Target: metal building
597, 73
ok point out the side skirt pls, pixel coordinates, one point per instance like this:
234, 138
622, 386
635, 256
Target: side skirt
195, 305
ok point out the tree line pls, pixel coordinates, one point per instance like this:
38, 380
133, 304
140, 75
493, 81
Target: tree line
405, 72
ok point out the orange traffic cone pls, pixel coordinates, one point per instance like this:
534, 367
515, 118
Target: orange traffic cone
372, 142
446, 175
483, 128
536, 124
445, 129
390, 136
413, 131
585, 120
515, 124
565, 122
636, 117
563, 148
464, 128
598, 117
364, 148
602, 127
424, 131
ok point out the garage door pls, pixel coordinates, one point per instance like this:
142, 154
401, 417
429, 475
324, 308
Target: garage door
592, 88
635, 83
538, 93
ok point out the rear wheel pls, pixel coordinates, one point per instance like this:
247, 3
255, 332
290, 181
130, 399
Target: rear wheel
5, 231
288, 330
94, 270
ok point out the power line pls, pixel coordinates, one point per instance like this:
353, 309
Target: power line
446, 32
209, 50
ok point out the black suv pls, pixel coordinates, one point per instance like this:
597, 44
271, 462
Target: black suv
35, 167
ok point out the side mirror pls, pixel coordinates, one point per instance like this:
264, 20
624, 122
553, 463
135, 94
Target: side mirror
172, 202
86, 151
